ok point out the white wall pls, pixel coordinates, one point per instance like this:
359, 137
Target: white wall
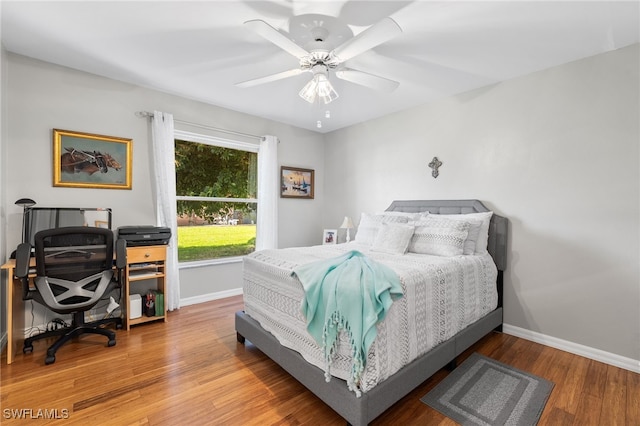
557, 153
43, 96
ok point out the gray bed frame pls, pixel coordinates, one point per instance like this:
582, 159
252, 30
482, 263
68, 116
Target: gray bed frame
360, 411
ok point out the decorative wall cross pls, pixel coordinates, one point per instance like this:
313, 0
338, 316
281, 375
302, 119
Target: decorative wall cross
434, 164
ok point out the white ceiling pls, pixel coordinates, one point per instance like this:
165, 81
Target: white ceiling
199, 50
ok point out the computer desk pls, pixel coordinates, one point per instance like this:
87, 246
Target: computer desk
135, 255
15, 308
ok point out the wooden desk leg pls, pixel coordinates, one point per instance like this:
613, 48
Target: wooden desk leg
18, 320
15, 317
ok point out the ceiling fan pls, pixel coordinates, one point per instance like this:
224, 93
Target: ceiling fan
318, 57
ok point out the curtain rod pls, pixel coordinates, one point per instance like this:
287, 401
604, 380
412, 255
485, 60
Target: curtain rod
147, 114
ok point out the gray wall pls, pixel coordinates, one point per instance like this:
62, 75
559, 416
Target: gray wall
557, 153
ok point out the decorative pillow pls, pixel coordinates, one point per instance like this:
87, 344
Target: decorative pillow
393, 238
370, 224
472, 238
483, 233
411, 217
439, 236
473, 235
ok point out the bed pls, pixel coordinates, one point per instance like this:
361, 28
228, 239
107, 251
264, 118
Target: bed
385, 382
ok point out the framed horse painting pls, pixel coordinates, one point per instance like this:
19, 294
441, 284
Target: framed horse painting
85, 160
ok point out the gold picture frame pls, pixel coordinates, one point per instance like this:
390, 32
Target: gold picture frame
296, 182
86, 160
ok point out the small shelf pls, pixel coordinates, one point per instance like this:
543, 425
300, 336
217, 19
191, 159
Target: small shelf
144, 319
144, 263
144, 275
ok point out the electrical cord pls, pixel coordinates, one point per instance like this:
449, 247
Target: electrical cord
56, 323
33, 329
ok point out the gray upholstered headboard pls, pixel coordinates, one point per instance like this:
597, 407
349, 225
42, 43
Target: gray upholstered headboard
498, 229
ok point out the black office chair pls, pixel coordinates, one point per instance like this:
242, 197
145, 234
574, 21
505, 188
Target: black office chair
74, 270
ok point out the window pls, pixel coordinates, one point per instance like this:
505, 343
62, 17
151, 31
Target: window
216, 196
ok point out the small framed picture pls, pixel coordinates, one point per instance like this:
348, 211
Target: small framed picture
296, 182
85, 160
330, 236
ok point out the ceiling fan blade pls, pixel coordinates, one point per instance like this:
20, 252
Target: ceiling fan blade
270, 78
371, 37
276, 37
368, 80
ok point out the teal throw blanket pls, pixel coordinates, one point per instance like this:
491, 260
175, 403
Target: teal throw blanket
352, 293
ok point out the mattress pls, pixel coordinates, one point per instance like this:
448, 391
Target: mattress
441, 296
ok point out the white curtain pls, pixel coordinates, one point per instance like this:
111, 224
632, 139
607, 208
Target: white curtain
165, 194
268, 190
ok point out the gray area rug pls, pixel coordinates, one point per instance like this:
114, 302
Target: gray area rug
482, 391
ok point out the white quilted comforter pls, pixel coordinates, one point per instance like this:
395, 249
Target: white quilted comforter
442, 296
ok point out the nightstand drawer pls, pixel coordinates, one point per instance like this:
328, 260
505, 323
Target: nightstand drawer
146, 254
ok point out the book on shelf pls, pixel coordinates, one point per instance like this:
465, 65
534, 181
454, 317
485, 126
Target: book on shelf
159, 304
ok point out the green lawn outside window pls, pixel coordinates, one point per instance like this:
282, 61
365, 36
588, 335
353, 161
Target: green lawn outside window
215, 241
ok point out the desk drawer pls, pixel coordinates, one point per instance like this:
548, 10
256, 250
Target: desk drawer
146, 254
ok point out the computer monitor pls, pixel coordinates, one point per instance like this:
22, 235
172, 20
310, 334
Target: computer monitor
39, 218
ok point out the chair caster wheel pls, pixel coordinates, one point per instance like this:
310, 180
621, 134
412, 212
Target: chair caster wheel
111, 343
118, 326
50, 359
27, 349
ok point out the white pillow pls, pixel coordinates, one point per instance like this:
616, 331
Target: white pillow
483, 233
393, 238
475, 226
411, 217
474, 232
370, 224
439, 236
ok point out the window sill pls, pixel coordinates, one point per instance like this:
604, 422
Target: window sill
210, 262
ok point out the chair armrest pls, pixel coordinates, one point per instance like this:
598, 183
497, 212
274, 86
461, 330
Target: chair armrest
121, 253
23, 256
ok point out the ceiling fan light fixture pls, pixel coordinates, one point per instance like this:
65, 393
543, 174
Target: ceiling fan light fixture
326, 92
319, 86
309, 91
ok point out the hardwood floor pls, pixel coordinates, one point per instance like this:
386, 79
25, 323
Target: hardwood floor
191, 370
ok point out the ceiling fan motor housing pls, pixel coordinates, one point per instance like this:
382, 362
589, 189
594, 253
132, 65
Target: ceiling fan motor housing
320, 69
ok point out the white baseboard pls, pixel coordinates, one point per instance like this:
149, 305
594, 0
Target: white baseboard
211, 296
574, 348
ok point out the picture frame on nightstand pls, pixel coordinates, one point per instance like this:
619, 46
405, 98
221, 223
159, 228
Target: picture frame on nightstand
330, 236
